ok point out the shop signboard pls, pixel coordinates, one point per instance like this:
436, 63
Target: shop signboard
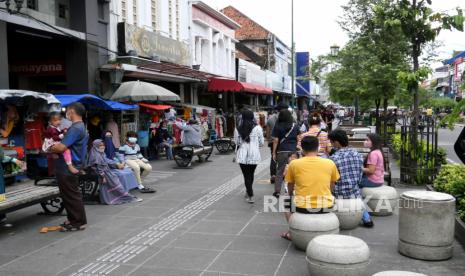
38, 68
302, 83
148, 44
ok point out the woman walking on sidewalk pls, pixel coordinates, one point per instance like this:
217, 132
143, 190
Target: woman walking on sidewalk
285, 135
249, 138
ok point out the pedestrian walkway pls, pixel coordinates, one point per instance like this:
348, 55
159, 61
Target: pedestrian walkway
196, 224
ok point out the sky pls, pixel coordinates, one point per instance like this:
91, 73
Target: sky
316, 28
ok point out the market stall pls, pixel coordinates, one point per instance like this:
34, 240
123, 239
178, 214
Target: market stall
23, 120
120, 119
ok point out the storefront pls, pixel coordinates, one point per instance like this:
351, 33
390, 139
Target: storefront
48, 50
152, 57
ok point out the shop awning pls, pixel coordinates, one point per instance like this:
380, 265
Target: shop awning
155, 106
225, 85
93, 102
39, 101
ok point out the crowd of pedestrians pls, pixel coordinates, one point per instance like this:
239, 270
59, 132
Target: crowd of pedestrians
311, 163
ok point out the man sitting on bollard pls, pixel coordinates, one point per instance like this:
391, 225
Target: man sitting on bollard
310, 181
350, 166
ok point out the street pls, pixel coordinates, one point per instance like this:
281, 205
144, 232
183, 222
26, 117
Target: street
447, 139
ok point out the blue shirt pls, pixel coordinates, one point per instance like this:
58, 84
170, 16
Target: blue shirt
76, 139
350, 166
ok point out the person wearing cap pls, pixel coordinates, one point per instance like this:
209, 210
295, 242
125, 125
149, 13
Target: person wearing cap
191, 133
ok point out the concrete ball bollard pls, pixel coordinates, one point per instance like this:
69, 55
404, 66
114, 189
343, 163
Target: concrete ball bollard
382, 200
330, 255
426, 225
304, 227
349, 212
398, 273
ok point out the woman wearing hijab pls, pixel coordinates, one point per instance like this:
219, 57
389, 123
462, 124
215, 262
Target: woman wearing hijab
111, 191
126, 175
249, 138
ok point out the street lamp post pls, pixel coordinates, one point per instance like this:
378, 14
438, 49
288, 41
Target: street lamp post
293, 55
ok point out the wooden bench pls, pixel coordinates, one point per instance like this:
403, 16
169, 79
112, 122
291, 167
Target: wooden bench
225, 145
387, 168
183, 155
28, 194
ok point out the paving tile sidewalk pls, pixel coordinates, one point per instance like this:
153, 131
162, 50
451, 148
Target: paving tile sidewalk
226, 237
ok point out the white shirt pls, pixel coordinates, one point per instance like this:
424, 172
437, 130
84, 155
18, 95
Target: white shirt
249, 153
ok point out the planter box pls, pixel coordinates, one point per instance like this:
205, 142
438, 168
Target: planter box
459, 224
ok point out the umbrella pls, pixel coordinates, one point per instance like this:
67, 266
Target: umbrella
139, 91
38, 102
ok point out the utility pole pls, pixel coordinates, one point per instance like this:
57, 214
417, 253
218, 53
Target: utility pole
293, 55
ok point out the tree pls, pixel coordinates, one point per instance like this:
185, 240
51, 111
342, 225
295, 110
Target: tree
421, 26
375, 55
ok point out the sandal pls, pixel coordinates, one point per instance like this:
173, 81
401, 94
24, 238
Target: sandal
286, 236
72, 228
64, 224
147, 191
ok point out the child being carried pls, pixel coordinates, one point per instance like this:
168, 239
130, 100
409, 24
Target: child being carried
53, 136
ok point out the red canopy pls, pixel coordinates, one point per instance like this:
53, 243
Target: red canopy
224, 85
155, 106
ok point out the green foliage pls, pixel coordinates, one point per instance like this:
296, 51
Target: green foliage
451, 180
454, 116
422, 156
441, 103
372, 60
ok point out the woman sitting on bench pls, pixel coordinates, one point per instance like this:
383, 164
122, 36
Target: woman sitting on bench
112, 192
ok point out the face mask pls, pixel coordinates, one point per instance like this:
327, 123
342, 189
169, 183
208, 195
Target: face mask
367, 144
108, 135
132, 140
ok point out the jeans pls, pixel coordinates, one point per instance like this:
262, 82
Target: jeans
272, 164
248, 171
282, 158
168, 148
366, 183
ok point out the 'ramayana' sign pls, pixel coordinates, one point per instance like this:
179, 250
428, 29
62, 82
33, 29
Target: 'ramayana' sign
148, 44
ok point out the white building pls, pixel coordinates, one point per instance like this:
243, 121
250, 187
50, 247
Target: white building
169, 18
212, 40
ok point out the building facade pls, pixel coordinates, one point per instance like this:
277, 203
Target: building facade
260, 46
53, 46
212, 41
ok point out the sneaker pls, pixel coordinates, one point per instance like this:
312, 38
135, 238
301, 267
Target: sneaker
276, 194
139, 199
368, 224
250, 199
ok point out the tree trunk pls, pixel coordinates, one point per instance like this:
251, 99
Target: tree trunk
386, 119
378, 121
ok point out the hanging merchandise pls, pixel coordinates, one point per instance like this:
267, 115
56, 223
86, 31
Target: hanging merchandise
34, 131
11, 118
